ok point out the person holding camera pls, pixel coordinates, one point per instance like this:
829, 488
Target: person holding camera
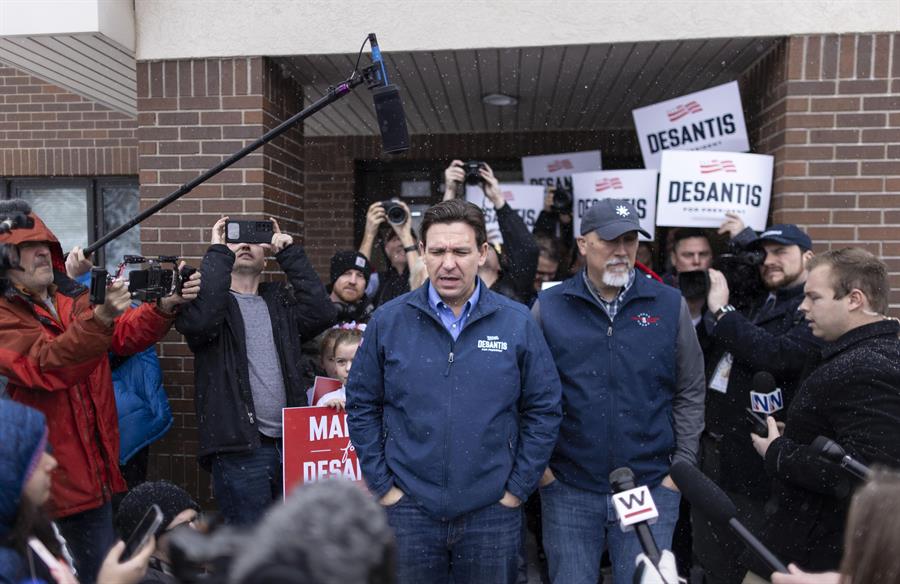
246, 337
398, 244
510, 268
771, 336
55, 346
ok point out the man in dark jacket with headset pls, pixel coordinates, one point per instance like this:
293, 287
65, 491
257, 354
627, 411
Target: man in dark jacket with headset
243, 380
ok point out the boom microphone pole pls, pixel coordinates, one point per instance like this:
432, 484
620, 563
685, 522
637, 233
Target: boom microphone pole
374, 75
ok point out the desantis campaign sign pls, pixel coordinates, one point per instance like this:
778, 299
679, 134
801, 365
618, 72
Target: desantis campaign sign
555, 170
637, 186
317, 446
711, 119
526, 200
696, 189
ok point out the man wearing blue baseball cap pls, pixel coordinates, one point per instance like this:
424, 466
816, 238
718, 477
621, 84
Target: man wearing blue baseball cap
633, 389
771, 336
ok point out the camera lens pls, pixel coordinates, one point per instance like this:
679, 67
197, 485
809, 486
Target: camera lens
395, 213
472, 176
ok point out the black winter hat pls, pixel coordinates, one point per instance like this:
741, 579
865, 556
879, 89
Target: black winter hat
349, 260
171, 499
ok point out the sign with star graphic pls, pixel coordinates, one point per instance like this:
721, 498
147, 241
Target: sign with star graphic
638, 187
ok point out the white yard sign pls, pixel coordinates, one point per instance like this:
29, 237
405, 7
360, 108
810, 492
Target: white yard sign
637, 186
696, 189
711, 119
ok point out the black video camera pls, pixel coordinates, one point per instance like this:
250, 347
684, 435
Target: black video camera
148, 285
472, 167
741, 270
395, 212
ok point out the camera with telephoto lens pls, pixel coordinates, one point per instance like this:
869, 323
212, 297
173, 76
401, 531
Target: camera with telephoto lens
562, 201
472, 167
395, 212
147, 285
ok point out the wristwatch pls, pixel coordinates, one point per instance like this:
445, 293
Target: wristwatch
722, 311
410, 248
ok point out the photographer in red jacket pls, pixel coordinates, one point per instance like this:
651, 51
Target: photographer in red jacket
53, 350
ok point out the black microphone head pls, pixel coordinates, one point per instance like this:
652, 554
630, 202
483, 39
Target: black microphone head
828, 449
763, 382
621, 479
391, 119
704, 494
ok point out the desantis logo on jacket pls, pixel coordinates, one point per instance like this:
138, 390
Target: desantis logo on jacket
492, 343
643, 319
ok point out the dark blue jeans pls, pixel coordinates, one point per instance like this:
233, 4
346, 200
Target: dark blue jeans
481, 547
579, 524
89, 536
247, 483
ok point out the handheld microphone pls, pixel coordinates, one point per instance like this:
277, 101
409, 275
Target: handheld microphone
388, 106
765, 397
715, 504
830, 451
635, 506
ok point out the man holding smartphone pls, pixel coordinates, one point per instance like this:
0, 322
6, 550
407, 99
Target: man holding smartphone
246, 335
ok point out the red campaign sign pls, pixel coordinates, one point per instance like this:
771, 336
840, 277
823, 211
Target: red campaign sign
317, 446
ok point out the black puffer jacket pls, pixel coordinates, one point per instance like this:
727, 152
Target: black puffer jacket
853, 398
521, 258
215, 333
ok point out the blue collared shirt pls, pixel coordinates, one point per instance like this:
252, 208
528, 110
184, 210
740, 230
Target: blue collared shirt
451, 322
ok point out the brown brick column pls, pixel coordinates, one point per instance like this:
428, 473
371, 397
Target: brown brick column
829, 111
191, 114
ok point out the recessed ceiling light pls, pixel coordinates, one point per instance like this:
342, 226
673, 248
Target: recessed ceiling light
499, 100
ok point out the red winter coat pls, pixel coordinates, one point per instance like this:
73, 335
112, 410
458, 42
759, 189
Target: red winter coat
60, 367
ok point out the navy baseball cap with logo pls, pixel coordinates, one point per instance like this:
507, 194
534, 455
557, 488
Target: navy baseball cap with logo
785, 234
610, 218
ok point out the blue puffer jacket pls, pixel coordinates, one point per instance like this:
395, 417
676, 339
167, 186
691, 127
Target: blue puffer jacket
144, 413
21, 432
141, 401
618, 379
453, 423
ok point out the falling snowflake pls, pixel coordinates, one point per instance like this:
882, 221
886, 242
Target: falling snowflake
622, 211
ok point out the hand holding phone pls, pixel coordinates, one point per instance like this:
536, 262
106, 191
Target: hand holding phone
146, 529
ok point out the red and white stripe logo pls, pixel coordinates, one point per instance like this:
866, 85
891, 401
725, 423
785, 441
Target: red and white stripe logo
685, 109
557, 165
717, 166
606, 184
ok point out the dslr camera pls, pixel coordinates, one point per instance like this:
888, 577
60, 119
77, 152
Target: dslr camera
562, 201
472, 167
396, 214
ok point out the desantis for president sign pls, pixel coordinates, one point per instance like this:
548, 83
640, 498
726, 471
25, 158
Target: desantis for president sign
317, 446
711, 119
556, 170
637, 186
696, 189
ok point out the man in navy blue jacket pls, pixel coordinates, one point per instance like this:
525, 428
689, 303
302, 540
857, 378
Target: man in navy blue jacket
454, 409
633, 391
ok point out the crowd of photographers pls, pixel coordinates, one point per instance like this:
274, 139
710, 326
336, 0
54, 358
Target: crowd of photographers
482, 398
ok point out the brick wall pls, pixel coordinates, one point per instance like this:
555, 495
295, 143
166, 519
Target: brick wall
47, 131
829, 111
191, 114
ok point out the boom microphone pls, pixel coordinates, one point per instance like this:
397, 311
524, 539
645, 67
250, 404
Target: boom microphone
388, 106
622, 479
831, 451
715, 504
